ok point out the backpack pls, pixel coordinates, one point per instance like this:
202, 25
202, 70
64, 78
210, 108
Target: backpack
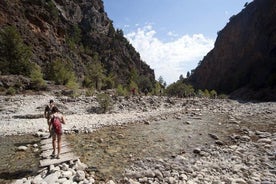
56, 123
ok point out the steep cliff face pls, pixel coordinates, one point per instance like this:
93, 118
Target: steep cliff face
78, 31
244, 57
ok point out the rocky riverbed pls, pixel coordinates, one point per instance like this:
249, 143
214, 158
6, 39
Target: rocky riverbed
226, 141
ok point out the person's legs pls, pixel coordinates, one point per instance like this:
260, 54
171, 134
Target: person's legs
59, 144
48, 125
54, 144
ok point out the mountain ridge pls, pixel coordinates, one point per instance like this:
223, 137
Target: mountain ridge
79, 32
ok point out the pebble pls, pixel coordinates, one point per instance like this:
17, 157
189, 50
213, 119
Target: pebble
226, 164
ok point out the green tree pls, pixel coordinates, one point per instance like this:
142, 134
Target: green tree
189, 90
109, 81
188, 74
145, 84
213, 94
157, 88
95, 73
180, 89
133, 75
176, 89
37, 81
62, 73
161, 81
133, 85
181, 78
14, 54
206, 93
121, 91
200, 93
50, 5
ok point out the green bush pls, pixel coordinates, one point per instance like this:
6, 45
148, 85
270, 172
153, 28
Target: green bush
145, 84
37, 81
95, 74
105, 102
62, 74
223, 96
109, 81
180, 89
11, 91
206, 93
90, 92
52, 9
133, 85
157, 88
200, 93
72, 84
213, 94
121, 91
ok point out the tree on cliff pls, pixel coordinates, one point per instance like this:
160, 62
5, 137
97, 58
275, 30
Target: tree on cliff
14, 54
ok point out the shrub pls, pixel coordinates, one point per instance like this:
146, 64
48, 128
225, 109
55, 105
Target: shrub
90, 92
213, 94
105, 102
133, 85
157, 88
180, 89
52, 9
206, 93
37, 82
145, 84
95, 74
72, 84
200, 93
11, 91
223, 96
121, 91
109, 82
62, 73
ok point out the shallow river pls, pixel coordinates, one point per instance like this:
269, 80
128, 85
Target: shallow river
110, 150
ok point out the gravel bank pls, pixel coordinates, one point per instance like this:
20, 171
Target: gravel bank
249, 155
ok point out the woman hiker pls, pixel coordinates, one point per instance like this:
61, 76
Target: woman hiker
55, 121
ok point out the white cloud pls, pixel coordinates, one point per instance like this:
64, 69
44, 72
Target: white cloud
169, 59
172, 34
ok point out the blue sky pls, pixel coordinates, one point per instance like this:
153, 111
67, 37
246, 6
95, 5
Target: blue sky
172, 36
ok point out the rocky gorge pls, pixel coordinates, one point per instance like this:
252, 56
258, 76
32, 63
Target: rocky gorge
224, 141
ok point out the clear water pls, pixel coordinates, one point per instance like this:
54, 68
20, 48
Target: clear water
110, 150
17, 164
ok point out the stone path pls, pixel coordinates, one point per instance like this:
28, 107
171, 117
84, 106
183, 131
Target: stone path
47, 149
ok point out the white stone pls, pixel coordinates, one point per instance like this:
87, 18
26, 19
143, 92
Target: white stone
80, 176
80, 166
66, 174
131, 181
22, 148
264, 140
37, 180
52, 178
